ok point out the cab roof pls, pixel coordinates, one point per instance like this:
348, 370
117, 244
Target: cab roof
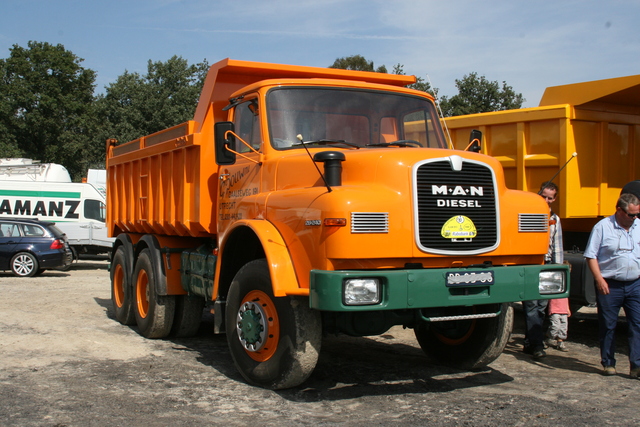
229, 75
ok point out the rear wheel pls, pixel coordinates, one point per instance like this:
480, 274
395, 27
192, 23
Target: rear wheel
274, 342
24, 264
466, 344
153, 312
121, 291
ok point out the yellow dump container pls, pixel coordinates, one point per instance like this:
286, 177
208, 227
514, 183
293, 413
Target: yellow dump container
598, 120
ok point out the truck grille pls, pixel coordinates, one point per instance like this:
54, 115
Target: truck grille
455, 198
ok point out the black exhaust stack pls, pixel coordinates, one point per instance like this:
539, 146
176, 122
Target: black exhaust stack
332, 166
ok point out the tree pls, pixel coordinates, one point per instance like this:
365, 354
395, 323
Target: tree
137, 105
475, 94
420, 84
46, 100
478, 95
357, 63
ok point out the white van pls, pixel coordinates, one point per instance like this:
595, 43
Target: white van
78, 209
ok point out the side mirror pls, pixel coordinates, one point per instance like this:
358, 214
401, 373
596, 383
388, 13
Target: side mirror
223, 139
474, 141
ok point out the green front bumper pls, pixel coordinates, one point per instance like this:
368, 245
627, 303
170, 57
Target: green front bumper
424, 288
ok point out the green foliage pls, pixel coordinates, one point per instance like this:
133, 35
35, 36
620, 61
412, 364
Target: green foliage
420, 84
478, 95
46, 106
136, 105
48, 111
357, 63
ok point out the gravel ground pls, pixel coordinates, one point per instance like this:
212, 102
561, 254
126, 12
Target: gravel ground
64, 361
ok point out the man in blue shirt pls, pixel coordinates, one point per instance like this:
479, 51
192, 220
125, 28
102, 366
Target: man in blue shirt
613, 256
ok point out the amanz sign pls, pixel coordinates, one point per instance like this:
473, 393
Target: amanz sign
48, 204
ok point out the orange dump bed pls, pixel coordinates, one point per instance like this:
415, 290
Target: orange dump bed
161, 184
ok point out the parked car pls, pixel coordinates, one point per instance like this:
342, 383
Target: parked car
29, 246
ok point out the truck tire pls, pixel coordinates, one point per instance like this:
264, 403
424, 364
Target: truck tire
153, 312
188, 316
466, 344
121, 290
274, 342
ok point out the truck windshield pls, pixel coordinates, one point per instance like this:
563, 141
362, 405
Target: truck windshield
352, 116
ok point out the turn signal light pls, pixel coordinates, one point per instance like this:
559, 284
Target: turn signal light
335, 222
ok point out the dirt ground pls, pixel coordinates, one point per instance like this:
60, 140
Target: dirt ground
64, 361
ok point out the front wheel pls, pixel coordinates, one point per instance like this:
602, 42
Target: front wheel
466, 344
24, 264
274, 342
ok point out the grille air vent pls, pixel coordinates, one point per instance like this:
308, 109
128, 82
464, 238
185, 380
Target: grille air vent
533, 223
369, 222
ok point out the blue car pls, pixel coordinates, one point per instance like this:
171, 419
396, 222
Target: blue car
29, 246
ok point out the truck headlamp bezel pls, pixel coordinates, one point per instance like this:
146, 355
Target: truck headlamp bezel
552, 282
361, 291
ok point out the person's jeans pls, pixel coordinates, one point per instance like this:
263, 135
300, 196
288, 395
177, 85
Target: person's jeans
627, 296
534, 312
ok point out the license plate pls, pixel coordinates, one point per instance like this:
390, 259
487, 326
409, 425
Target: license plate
484, 277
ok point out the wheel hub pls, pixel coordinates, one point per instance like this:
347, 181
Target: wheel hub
23, 265
251, 326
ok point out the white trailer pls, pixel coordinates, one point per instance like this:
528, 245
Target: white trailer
30, 189
78, 209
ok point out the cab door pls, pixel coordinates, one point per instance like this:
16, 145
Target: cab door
240, 182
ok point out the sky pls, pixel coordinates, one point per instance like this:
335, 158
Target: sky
530, 45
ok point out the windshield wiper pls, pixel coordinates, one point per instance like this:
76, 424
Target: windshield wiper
398, 143
328, 142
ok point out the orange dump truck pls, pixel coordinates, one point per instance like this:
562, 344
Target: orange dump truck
305, 201
593, 128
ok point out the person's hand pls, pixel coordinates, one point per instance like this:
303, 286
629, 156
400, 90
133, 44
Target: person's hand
602, 287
